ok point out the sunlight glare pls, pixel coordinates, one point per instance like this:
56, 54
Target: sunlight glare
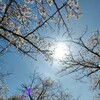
60, 51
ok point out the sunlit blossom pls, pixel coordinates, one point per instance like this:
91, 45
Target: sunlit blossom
11, 24
78, 8
19, 44
31, 1
41, 42
42, 12
35, 37
34, 16
73, 9
50, 2
52, 19
68, 16
59, 19
44, 18
94, 39
28, 23
76, 4
17, 29
2, 7
76, 17
70, 2
38, 23
28, 14
19, 5
38, 0
27, 1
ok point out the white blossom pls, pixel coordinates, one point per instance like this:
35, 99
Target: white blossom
76, 17
28, 23
38, 23
42, 12
59, 19
76, 4
27, 1
34, 16
44, 18
68, 16
31, 1
50, 2
19, 44
17, 29
11, 24
52, 19
38, 0
3, 6
28, 14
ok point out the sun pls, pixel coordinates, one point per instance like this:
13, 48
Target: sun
60, 51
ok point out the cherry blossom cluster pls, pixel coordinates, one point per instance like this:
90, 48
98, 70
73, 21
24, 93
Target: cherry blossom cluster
24, 20
50, 2
94, 40
3, 90
4, 93
21, 16
73, 9
2, 7
18, 17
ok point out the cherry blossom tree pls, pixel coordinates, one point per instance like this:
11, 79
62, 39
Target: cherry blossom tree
22, 23
3, 91
86, 62
38, 89
45, 89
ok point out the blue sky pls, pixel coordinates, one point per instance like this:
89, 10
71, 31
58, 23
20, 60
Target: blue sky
22, 68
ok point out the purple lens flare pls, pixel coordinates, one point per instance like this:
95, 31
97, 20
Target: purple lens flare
28, 91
